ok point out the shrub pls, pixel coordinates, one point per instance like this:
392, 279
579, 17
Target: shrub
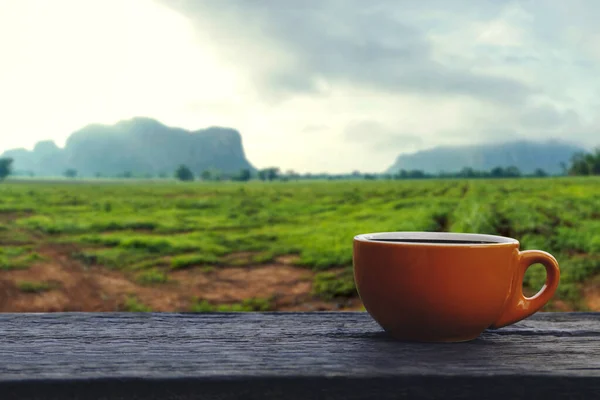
152, 276
328, 285
247, 305
190, 260
34, 286
134, 305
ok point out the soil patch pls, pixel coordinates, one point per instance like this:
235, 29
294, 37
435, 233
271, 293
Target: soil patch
591, 293
290, 259
82, 288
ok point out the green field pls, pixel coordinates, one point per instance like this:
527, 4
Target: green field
151, 230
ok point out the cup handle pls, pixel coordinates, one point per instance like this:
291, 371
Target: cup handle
518, 306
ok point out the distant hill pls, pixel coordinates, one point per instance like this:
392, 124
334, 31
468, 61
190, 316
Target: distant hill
139, 146
526, 155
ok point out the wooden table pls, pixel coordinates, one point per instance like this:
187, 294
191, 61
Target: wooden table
288, 356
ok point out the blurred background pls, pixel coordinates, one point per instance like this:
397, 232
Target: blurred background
221, 155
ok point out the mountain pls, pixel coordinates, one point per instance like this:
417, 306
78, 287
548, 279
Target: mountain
526, 155
139, 146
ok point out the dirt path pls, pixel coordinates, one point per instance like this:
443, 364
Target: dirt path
76, 287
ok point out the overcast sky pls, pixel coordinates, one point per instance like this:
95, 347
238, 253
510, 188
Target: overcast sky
312, 85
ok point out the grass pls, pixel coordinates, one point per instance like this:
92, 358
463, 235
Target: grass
146, 228
17, 257
253, 304
13, 251
34, 286
152, 276
190, 260
329, 285
132, 304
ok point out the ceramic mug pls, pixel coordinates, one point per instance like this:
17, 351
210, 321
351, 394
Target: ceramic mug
446, 287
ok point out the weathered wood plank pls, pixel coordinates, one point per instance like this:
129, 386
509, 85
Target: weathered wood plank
291, 355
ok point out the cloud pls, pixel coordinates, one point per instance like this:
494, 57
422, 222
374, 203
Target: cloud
548, 117
313, 44
314, 128
374, 135
507, 69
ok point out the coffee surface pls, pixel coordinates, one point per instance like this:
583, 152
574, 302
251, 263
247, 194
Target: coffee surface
440, 241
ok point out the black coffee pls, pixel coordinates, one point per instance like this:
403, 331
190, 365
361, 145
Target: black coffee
440, 241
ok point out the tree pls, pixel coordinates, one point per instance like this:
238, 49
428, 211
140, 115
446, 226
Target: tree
402, 174
243, 176
268, 174
585, 163
71, 173
183, 173
272, 173
468, 172
5, 167
497, 172
212, 174
512, 172
579, 165
596, 161
206, 175
540, 173
416, 174
291, 174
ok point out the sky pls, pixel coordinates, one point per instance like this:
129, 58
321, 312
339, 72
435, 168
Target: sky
312, 85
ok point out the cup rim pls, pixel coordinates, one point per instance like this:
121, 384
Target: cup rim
435, 239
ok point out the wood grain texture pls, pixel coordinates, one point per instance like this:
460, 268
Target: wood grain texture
291, 355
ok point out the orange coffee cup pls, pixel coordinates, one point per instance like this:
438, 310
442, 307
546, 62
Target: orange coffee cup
446, 287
